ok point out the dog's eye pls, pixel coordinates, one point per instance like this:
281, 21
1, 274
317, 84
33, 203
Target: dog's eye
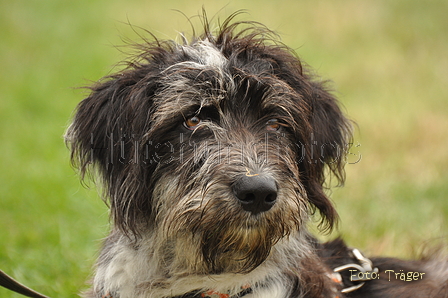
192, 123
273, 125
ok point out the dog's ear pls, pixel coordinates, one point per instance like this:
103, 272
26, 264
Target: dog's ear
325, 153
106, 135
322, 132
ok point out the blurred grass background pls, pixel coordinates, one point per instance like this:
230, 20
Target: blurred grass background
388, 61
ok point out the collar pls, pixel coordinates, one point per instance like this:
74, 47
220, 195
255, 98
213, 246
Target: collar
213, 294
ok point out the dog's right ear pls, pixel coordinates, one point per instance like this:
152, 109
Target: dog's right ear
102, 131
106, 135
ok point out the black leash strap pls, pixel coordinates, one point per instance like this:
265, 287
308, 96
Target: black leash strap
8, 282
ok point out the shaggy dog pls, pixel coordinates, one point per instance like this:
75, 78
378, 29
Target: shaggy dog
213, 154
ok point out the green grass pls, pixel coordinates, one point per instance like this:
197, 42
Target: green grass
388, 60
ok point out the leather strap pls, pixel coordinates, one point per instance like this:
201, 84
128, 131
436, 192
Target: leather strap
10, 283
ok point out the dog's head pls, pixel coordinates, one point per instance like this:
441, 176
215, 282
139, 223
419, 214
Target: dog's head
223, 142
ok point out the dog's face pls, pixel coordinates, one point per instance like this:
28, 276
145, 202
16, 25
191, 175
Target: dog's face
217, 149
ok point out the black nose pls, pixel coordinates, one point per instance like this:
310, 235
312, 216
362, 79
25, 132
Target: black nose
256, 193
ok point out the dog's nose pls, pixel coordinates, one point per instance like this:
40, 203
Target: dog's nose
256, 193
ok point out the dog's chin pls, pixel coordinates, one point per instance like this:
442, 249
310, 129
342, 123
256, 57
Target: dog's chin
234, 252
239, 249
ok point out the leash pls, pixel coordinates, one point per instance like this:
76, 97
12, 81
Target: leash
10, 283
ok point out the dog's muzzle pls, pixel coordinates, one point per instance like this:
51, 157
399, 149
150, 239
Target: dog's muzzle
257, 193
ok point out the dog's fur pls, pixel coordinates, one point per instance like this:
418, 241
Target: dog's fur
180, 134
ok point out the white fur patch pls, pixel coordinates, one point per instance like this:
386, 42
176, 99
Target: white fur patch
203, 55
135, 272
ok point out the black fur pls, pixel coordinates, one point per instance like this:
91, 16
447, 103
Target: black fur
115, 125
171, 137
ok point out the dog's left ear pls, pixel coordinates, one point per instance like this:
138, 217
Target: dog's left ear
329, 138
322, 133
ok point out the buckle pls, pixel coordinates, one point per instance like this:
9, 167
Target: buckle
358, 272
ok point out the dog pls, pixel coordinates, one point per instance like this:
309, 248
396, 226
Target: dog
213, 154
